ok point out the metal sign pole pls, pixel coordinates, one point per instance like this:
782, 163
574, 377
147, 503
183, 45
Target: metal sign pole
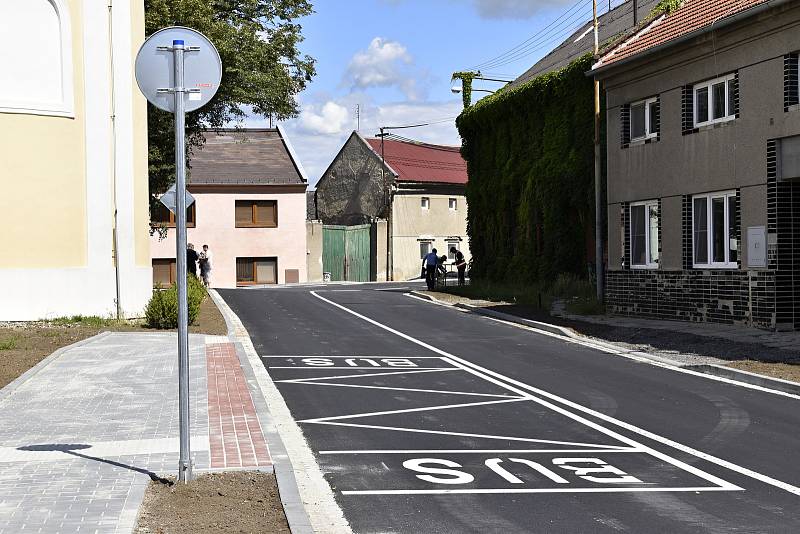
185, 464
169, 87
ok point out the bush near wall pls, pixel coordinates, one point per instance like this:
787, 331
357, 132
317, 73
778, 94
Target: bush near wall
530, 159
162, 309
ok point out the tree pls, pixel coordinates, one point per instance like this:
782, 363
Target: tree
263, 69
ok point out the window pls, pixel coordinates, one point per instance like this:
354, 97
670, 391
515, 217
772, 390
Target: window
714, 230
644, 234
425, 203
452, 244
715, 100
425, 248
791, 87
161, 215
37, 77
164, 272
256, 271
256, 214
453, 204
644, 119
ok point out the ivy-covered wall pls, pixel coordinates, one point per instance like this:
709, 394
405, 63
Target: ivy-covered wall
530, 159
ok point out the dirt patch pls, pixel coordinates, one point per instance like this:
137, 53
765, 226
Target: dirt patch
241, 501
784, 371
209, 320
23, 345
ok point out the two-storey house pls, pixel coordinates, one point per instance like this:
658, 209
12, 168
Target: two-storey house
250, 202
703, 154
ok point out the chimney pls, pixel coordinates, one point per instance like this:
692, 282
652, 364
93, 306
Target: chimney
635, 13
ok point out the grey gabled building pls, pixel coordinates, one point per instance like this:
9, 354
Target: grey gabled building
703, 164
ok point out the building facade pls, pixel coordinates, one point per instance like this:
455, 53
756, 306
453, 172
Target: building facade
250, 205
73, 147
416, 190
703, 151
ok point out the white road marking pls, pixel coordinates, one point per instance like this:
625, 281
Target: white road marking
481, 451
309, 382
329, 367
357, 357
632, 428
411, 410
334, 377
529, 490
590, 447
392, 289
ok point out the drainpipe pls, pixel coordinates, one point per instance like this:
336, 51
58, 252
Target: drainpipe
115, 229
635, 13
598, 204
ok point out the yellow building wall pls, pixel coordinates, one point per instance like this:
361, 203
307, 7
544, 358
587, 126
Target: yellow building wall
141, 193
42, 158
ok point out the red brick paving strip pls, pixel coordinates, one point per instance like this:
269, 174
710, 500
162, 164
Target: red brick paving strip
233, 429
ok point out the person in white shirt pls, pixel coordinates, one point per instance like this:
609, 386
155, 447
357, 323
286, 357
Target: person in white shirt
205, 266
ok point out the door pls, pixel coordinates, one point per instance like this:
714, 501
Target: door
346, 252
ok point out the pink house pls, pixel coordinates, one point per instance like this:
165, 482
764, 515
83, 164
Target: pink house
250, 209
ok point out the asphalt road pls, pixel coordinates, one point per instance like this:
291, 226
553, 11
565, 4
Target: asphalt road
425, 419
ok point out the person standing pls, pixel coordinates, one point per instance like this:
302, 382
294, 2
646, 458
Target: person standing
191, 260
429, 263
205, 266
461, 265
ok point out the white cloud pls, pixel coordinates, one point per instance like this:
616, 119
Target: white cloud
384, 64
330, 118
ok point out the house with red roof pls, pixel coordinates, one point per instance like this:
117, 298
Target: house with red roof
412, 193
703, 164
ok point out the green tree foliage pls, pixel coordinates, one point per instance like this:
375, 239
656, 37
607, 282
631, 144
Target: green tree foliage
162, 309
529, 153
263, 68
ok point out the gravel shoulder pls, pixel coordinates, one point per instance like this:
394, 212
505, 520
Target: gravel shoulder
240, 501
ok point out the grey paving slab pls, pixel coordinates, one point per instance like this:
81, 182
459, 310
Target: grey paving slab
81, 436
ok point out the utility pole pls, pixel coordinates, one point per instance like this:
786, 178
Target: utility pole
598, 196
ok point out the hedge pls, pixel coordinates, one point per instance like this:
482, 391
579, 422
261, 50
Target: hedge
530, 159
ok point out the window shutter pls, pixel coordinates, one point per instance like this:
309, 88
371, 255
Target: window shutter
687, 231
244, 270
159, 214
625, 125
687, 108
161, 273
266, 271
791, 94
244, 213
736, 94
656, 126
625, 215
267, 213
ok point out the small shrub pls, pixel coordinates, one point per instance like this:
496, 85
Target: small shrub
585, 306
162, 310
8, 344
92, 321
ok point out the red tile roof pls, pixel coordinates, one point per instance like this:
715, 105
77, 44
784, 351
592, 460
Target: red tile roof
693, 15
422, 162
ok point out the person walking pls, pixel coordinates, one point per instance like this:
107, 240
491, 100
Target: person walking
429, 263
461, 265
191, 260
205, 266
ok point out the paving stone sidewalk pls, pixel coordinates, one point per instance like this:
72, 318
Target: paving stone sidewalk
82, 434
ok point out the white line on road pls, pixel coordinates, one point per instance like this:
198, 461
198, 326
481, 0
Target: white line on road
411, 410
482, 451
335, 377
632, 428
416, 390
530, 490
589, 447
329, 367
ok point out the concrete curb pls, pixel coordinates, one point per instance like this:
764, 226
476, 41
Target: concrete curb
10, 388
785, 386
327, 515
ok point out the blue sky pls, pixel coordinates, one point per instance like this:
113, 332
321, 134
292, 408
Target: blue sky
394, 58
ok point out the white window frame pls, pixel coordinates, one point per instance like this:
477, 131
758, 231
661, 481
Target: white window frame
711, 264
425, 203
648, 128
708, 84
452, 204
66, 107
649, 263
452, 243
428, 242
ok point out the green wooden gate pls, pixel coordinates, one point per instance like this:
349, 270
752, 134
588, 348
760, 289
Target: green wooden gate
346, 252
